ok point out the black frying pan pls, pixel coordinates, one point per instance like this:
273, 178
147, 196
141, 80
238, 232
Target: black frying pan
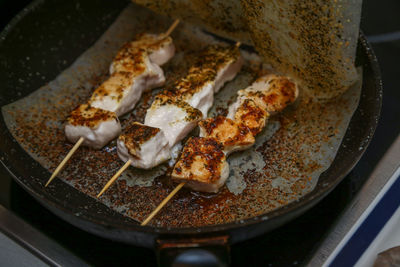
78, 24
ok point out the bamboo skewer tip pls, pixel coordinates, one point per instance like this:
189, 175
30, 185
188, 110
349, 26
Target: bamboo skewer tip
64, 161
171, 28
163, 203
115, 177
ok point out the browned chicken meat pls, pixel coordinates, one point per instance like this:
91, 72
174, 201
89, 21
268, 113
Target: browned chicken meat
268, 95
160, 49
231, 135
247, 117
202, 165
135, 68
138, 142
133, 71
251, 115
271, 92
176, 118
97, 126
214, 66
176, 112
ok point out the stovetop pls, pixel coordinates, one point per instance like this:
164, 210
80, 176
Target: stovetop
290, 245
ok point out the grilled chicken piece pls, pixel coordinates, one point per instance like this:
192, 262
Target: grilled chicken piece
174, 117
267, 95
159, 50
251, 115
176, 112
214, 66
272, 93
202, 165
139, 143
134, 69
123, 89
231, 135
96, 126
247, 117
228, 70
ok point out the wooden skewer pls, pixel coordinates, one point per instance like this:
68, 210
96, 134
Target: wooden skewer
165, 201
176, 190
162, 204
64, 161
77, 144
171, 28
115, 177
126, 165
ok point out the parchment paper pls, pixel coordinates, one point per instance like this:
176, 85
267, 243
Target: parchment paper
285, 163
312, 41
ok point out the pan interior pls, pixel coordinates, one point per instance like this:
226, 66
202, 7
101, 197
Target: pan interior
284, 165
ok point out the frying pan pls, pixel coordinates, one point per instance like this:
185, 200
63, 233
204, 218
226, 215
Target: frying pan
27, 61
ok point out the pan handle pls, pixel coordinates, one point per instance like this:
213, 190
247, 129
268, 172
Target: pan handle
205, 251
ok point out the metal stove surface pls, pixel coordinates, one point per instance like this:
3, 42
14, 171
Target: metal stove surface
292, 244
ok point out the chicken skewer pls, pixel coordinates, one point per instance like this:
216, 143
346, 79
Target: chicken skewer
174, 113
202, 165
135, 68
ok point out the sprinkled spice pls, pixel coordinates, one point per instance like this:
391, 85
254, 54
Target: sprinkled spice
203, 70
193, 114
131, 61
226, 131
312, 41
252, 116
202, 156
136, 134
85, 115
